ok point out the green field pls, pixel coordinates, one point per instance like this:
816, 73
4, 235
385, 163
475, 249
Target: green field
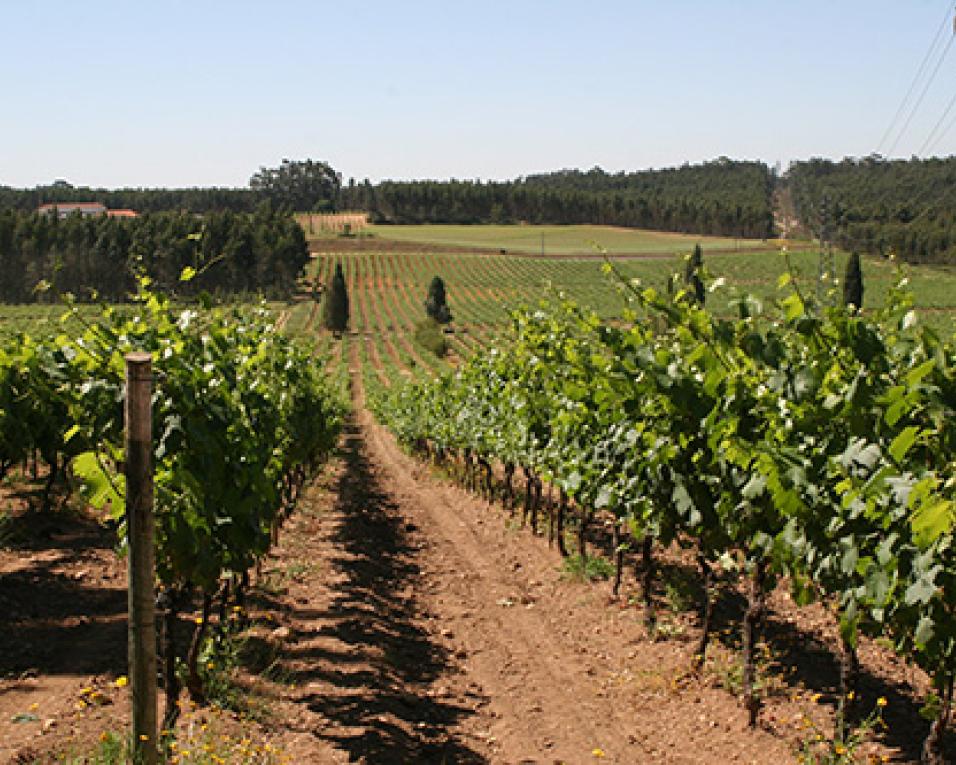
559, 240
387, 289
38, 319
48, 319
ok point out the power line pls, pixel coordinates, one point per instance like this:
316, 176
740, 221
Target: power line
826, 256
943, 134
916, 79
939, 122
922, 95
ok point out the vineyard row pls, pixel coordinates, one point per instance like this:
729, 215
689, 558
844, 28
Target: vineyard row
799, 441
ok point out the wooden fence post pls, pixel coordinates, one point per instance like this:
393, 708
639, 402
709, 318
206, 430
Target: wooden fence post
142, 562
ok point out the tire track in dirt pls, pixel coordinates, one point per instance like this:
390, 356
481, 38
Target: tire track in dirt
63, 600
508, 646
372, 684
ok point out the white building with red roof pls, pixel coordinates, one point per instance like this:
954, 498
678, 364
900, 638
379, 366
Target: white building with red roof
66, 209
86, 209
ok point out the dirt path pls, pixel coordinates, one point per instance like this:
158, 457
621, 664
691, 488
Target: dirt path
434, 634
317, 247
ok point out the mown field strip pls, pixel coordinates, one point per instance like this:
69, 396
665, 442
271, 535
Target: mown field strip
558, 240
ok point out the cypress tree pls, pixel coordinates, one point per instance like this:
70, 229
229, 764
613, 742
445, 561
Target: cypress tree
692, 275
335, 311
853, 283
436, 304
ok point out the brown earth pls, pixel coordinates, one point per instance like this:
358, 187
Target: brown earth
403, 620
62, 629
318, 246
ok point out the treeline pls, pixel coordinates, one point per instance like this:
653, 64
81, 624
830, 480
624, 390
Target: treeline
196, 200
260, 253
295, 185
723, 197
904, 207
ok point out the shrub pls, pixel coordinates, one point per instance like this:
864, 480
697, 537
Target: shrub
429, 335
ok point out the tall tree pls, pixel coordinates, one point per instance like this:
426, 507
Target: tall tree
335, 311
299, 185
695, 284
436, 305
853, 283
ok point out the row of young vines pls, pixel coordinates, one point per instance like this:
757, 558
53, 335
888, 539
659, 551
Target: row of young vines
241, 415
794, 440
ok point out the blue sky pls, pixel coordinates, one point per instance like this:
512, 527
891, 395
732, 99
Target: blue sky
204, 92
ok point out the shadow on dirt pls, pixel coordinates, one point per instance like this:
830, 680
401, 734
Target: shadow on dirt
381, 711
55, 618
803, 660
799, 656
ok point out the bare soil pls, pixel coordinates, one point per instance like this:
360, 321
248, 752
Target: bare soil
403, 620
62, 629
376, 244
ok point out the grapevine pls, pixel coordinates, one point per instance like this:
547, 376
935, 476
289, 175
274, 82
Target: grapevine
783, 440
241, 416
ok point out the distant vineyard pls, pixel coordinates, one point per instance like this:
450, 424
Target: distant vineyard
388, 289
338, 223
